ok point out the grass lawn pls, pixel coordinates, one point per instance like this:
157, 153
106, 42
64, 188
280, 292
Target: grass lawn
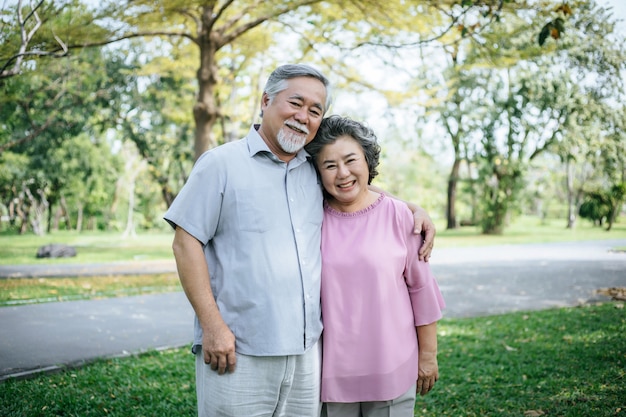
568, 362
558, 362
91, 247
20, 291
529, 230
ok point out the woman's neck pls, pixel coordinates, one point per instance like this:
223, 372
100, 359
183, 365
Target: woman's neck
363, 202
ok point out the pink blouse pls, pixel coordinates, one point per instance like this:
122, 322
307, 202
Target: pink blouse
374, 292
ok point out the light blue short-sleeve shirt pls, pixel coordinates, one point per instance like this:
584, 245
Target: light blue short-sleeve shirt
259, 220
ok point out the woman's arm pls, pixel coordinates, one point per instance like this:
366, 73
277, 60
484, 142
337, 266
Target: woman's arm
428, 368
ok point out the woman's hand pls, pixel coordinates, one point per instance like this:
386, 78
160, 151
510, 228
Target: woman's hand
427, 372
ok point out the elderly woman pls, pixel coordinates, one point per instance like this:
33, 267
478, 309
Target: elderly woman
380, 303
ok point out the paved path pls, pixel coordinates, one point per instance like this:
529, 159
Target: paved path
500, 279
474, 281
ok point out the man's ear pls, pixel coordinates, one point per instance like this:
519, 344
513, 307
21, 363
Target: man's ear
265, 101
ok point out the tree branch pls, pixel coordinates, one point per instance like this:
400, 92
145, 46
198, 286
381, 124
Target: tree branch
261, 19
6, 146
63, 50
25, 39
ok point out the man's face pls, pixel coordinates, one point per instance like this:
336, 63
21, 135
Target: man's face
292, 118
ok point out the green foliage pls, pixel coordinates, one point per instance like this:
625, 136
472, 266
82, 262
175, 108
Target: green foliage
410, 174
158, 122
70, 164
596, 207
603, 205
167, 58
507, 101
500, 184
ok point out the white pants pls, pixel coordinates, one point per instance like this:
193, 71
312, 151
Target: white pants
403, 406
274, 386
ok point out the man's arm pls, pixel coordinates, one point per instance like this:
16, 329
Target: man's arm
218, 342
423, 223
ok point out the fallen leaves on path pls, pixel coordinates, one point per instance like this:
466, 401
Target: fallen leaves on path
617, 293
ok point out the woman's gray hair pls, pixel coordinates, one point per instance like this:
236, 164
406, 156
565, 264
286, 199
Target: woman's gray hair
333, 127
277, 80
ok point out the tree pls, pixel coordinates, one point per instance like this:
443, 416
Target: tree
458, 118
228, 43
520, 101
213, 26
72, 98
588, 88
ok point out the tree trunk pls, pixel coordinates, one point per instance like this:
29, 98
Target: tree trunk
37, 211
50, 219
616, 199
569, 182
452, 186
65, 212
495, 205
168, 195
495, 224
130, 221
79, 218
205, 111
53, 224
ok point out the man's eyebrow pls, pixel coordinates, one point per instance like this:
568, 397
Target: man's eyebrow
299, 97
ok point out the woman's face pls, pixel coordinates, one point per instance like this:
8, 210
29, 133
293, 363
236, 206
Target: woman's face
344, 171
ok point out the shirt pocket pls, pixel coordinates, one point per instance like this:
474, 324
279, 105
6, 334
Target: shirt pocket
256, 209
312, 208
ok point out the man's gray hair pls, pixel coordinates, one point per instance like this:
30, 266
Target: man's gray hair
277, 80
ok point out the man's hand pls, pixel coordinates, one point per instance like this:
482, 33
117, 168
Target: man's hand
424, 225
218, 347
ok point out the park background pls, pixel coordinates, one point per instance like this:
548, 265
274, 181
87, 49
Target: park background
486, 110
504, 119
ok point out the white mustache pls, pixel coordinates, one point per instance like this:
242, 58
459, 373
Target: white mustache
298, 126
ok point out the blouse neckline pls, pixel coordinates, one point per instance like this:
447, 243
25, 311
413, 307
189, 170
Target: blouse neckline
357, 213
